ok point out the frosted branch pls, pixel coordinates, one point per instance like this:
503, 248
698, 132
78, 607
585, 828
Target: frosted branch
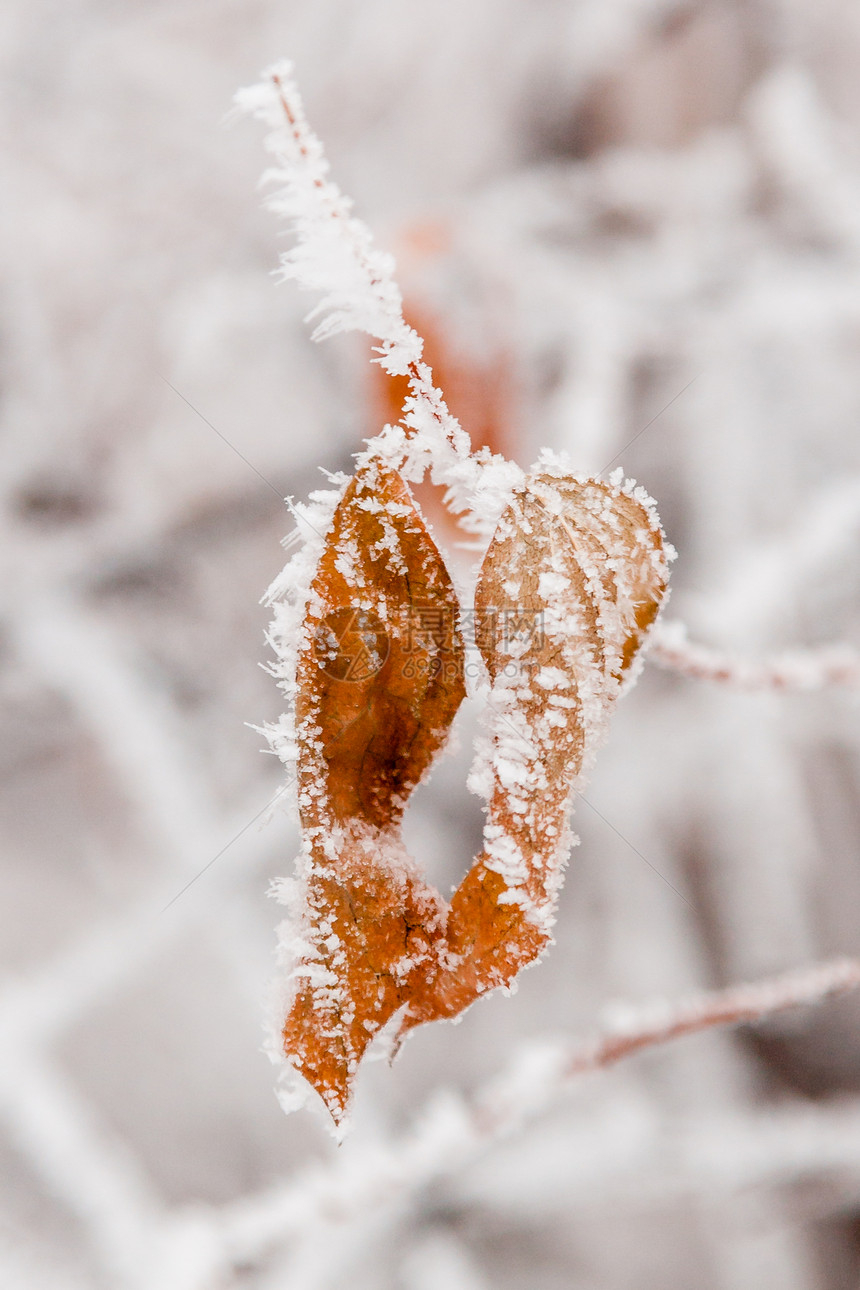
452, 1133
499, 1108
334, 256
792, 670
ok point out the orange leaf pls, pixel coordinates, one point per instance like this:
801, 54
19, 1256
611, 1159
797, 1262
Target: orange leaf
572, 579
379, 680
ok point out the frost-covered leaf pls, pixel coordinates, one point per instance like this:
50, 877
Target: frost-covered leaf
379, 680
573, 578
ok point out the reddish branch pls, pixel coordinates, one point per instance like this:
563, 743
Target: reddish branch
796, 670
450, 1134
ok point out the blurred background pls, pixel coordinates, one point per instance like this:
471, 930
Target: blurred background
608, 215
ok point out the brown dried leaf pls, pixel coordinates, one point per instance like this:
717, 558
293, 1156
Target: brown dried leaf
572, 579
380, 678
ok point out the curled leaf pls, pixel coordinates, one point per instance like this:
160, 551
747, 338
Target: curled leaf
572, 579
379, 680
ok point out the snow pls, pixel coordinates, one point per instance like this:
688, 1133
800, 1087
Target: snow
700, 222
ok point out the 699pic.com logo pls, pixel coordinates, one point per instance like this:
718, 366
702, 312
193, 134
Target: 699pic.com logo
351, 644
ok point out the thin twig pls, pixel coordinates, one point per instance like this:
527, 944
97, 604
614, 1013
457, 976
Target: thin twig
452, 1133
792, 670
334, 255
